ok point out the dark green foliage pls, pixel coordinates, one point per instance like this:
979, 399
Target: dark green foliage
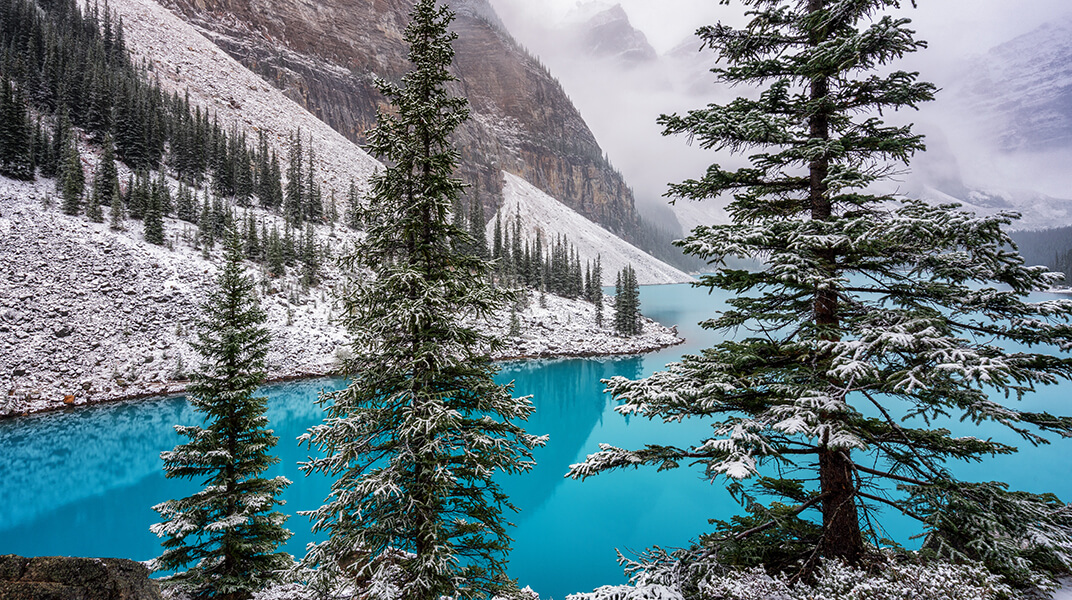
115, 214
229, 530
312, 201
871, 317
293, 198
106, 177
276, 260
310, 257
476, 228
627, 319
354, 210
154, 221
16, 135
186, 204
140, 196
73, 180
417, 372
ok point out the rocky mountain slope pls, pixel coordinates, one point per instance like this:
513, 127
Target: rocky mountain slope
90, 314
186, 62
541, 215
326, 54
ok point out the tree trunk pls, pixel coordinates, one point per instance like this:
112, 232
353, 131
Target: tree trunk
841, 524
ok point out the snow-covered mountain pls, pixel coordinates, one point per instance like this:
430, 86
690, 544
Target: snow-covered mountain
603, 30
1021, 91
542, 215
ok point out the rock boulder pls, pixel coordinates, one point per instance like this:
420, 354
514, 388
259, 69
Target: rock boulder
63, 578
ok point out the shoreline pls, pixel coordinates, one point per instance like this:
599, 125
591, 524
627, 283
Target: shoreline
179, 387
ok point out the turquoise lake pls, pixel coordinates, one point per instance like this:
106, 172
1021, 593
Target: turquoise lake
83, 482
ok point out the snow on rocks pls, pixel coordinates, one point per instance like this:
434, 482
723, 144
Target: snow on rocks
541, 214
554, 326
186, 61
88, 314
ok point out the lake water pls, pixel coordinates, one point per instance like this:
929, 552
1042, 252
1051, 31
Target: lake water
83, 482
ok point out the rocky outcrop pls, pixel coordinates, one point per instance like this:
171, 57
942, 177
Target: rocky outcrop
62, 578
326, 54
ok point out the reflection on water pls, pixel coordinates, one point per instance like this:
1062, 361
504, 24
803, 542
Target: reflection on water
83, 482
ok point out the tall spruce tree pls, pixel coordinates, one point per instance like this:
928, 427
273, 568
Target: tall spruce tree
873, 315
230, 530
106, 177
72, 179
422, 419
16, 134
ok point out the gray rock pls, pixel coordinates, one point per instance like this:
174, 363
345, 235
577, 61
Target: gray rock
62, 578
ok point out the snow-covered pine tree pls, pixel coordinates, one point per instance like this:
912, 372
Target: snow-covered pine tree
873, 315
154, 221
72, 179
476, 227
106, 177
293, 198
415, 440
229, 531
115, 213
16, 134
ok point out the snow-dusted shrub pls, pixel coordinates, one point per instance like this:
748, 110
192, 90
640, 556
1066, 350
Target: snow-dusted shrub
891, 581
664, 576
629, 592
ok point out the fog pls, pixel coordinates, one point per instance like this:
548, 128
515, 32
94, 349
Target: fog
621, 102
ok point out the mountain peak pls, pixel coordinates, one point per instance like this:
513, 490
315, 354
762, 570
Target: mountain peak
605, 31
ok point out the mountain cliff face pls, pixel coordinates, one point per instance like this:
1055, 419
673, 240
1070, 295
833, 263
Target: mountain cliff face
325, 54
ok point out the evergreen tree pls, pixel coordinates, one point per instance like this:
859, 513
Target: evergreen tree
73, 180
354, 210
154, 222
476, 228
627, 319
106, 177
186, 204
497, 241
596, 296
275, 258
293, 199
115, 212
873, 315
252, 244
93, 212
314, 204
16, 135
423, 377
229, 529
310, 257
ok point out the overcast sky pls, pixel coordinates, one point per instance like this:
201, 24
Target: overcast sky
955, 25
621, 105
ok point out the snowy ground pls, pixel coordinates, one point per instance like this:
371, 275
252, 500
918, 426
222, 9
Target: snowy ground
88, 314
